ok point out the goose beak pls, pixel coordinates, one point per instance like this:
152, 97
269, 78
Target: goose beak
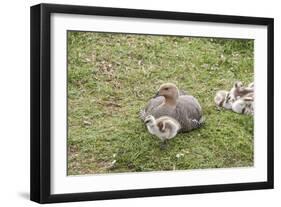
156, 95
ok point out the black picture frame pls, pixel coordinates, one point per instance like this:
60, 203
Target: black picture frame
41, 98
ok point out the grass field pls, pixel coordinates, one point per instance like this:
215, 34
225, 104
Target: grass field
112, 76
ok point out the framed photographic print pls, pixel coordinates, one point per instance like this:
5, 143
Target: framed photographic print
133, 103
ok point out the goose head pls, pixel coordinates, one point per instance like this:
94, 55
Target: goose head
169, 91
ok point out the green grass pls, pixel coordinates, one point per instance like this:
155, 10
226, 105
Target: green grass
112, 76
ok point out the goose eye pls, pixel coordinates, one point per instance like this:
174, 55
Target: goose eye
166, 89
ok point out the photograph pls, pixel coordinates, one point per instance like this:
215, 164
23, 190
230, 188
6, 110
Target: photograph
129, 103
151, 103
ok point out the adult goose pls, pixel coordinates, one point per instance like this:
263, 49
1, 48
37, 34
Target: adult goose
169, 101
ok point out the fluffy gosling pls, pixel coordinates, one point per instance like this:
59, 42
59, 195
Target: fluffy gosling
164, 127
222, 99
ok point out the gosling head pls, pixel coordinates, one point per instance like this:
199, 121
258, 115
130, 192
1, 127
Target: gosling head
169, 91
234, 92
149, 120
238, 84
227, 102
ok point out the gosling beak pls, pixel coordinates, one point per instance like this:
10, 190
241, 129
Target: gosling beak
156, 95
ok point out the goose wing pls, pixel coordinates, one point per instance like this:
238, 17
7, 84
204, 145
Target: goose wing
188, 112
151, 105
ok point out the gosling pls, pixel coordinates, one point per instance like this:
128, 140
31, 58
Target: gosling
222, 99
239, 90
244, 105
164, 127
226, 99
